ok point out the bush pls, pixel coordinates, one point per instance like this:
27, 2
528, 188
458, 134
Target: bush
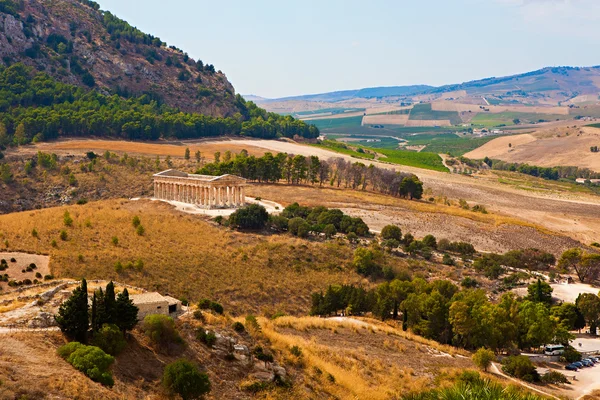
140, 230
447, 260
469, 282
183, 378
303, 229
204, 304
296, 351
483, 358
520, 367
161, 330
279, 223
67, 219
110, 339
136, 221
216, 307
554, 377
198, 315
430, 241
63, 235
208, 338
90, 360
391, 232
252, 216
571, 355
238, 327
329, 231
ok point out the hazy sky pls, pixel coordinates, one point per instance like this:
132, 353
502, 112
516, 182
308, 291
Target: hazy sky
288, 47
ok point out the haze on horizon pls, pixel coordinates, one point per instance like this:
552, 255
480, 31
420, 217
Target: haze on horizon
276, 49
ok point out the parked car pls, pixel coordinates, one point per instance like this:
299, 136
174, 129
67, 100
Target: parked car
596, 359
578, 364
571, 367
592, 360
587, 363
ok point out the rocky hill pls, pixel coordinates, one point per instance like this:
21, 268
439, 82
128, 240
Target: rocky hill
77, 43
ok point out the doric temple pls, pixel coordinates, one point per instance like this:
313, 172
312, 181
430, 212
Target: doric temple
225, 191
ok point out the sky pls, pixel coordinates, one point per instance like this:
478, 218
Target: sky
289, 47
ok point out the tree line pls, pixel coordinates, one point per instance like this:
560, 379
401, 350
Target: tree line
549, 173
35, 107
466, 318
298, 169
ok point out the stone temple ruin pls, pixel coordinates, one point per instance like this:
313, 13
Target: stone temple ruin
206, 191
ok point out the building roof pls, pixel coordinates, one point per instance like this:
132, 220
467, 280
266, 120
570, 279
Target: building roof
171, 300
173, 173
145, 298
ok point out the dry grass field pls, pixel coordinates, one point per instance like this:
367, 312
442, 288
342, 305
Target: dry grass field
183, 255
385, 119
425, 122
567, 146
487, 232
368, 360
16, 269
444, 105
173, 149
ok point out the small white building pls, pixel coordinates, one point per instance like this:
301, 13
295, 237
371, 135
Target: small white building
155, 303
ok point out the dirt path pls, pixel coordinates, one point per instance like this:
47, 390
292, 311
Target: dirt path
495, 370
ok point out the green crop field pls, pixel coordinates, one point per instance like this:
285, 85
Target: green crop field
342, 148
507, 118
424, 112
325, 124
447, 143
329, 110
413, 159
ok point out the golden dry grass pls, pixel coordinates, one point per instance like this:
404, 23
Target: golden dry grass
147, 148
386, 119
183, 255
373, 361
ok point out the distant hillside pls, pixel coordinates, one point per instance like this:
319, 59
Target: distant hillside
76, 42
546, 86
366, 93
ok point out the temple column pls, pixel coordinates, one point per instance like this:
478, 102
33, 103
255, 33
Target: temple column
242, 193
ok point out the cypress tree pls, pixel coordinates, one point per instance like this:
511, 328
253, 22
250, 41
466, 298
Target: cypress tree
94, 315
100, 309
125, 311
73, 316
109, 304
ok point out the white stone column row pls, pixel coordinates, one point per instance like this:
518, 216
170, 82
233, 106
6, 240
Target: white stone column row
206, 196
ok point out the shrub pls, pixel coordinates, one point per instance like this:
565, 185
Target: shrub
207, 337
110, 339
140, 230
216, 307
571, 355
391, 232
252, 323
483, 358
67, 219
34, 233
115, 241
38, 275
430, 241
447, 260
48, 277
520, 367
296, 351
161, 330
198, 315
136, 221
13, 260
279, 223
303, 230
63, 235
90, 360
252, 216
183, 378
469, 282
329, 231
204, 304
554, 377
238, 327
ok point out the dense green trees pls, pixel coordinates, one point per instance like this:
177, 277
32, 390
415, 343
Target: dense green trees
75, 319
439, 310
297, 169
252, 216
32, 104
585, 265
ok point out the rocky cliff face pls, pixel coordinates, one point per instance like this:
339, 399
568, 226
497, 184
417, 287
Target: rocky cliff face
77, 43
